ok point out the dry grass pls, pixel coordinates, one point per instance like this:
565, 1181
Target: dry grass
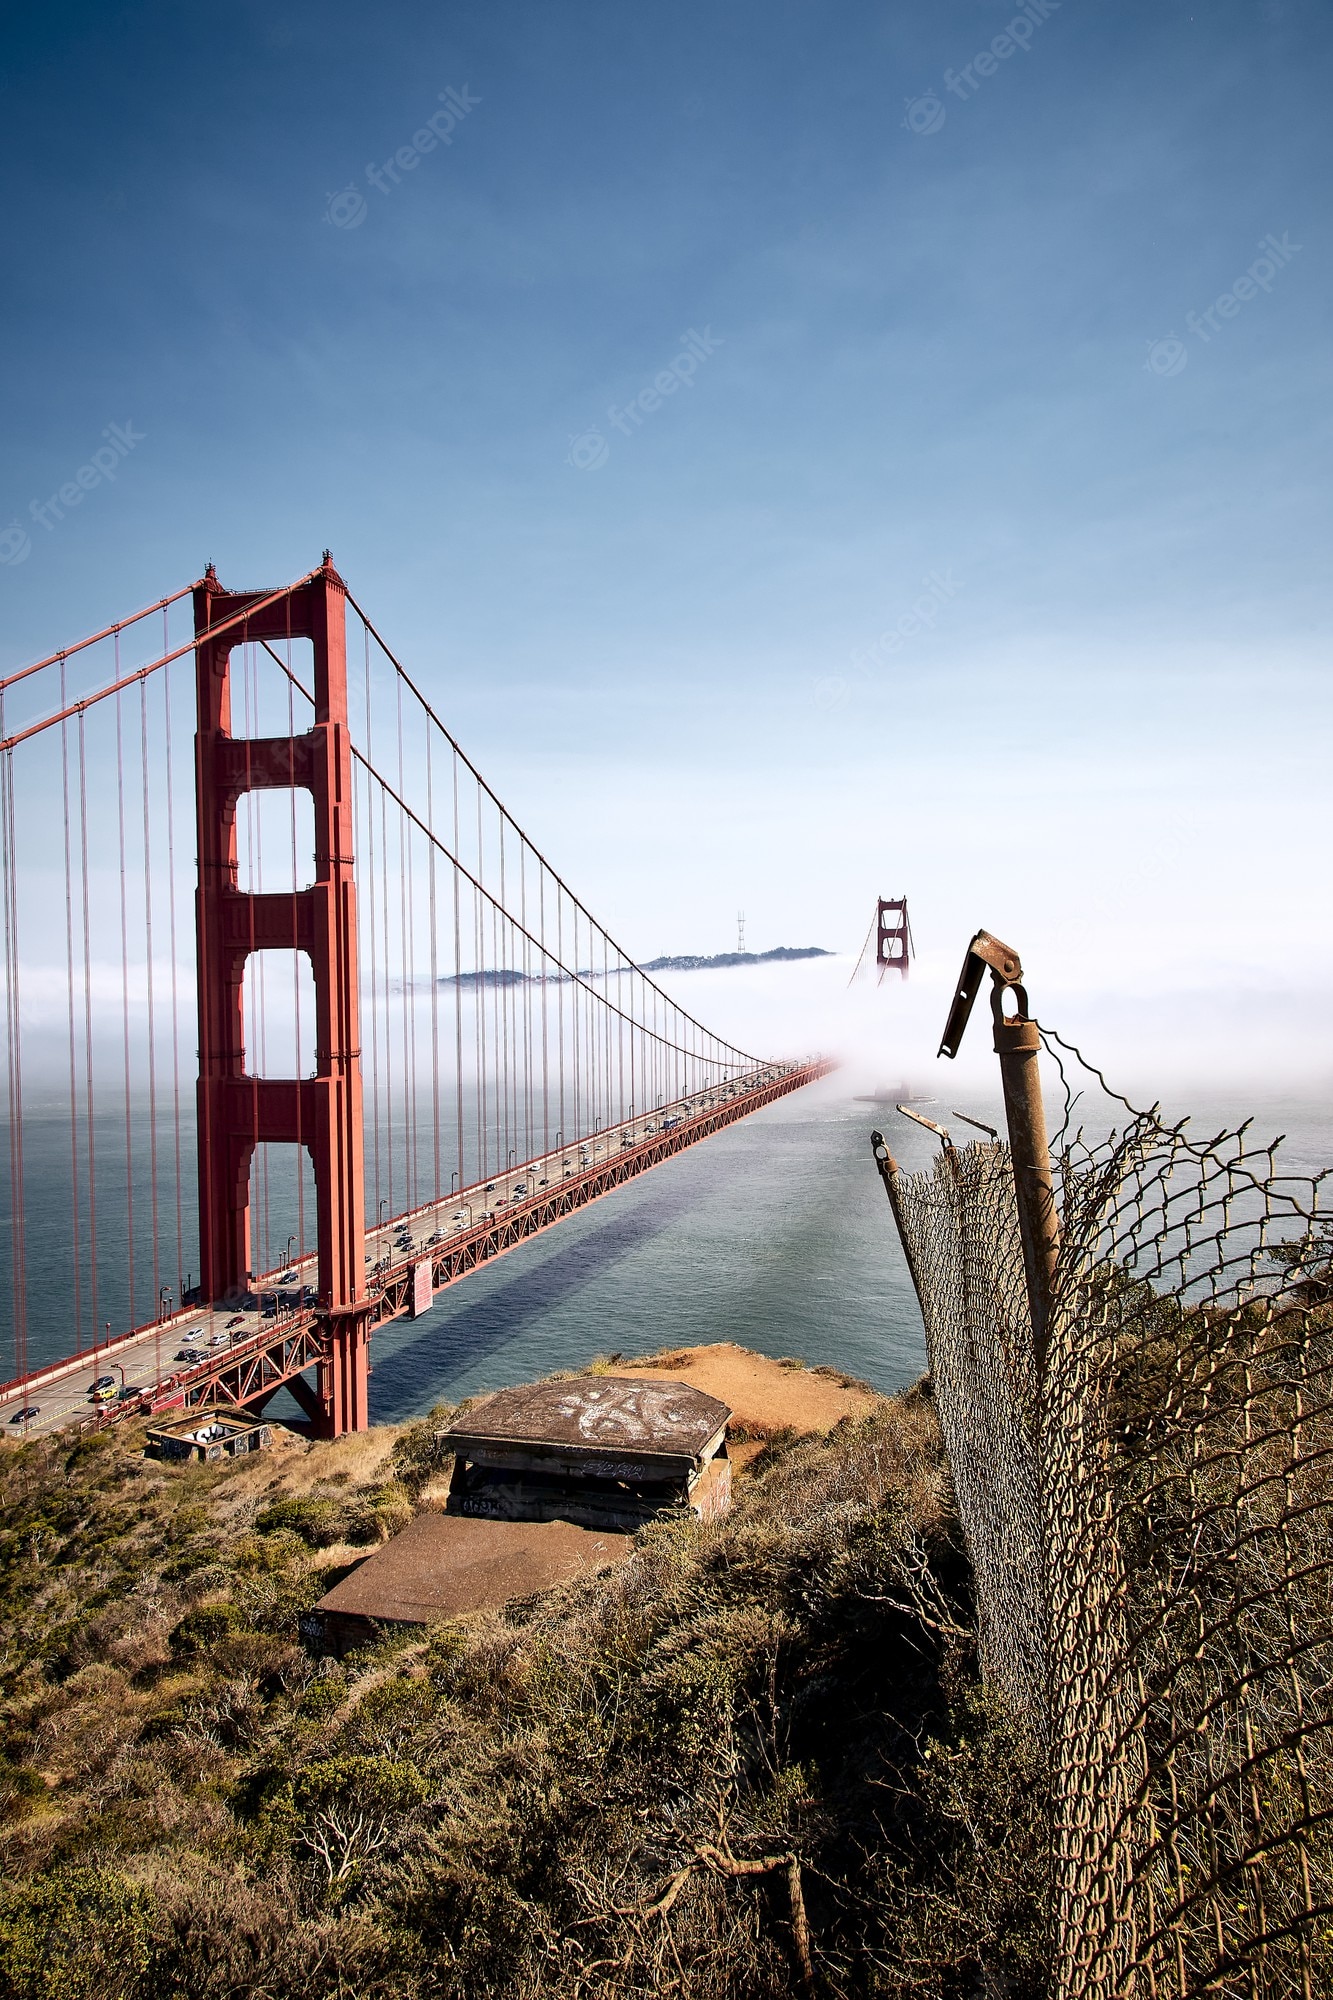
751, 1760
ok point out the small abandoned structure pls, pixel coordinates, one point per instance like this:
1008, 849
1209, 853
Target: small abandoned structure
603, 1451
441, 1565
549, 1483
208, 1436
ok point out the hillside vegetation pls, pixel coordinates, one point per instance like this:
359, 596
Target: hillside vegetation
752, 1760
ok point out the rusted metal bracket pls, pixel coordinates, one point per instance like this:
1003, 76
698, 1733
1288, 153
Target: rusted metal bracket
985, 952
1017, 1043
989, 1130
940, 1131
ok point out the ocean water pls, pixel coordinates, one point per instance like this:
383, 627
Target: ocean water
775, 1233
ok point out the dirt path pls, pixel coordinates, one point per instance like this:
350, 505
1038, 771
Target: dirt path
765, 1395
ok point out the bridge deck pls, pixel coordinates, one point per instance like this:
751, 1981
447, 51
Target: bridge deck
251, 1350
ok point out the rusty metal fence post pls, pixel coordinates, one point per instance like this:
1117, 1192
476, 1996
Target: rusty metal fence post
1017, 1043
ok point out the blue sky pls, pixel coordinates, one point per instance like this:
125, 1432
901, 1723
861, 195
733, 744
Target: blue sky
931, 347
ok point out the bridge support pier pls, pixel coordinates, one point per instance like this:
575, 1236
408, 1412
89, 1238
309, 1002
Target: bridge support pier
238, 1111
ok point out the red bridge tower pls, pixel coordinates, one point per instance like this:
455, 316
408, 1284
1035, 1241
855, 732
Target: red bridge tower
893, 949
238, 1111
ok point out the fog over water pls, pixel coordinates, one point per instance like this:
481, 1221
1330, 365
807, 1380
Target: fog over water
776, 1233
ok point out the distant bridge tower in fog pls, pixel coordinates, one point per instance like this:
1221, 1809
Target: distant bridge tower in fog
891, 929
893, 948
740, 930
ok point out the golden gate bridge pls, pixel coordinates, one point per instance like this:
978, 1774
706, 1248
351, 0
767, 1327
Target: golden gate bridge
416, 1048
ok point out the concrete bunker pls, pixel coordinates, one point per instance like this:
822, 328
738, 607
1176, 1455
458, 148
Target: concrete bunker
549, 1482
208, 1436
602, 1451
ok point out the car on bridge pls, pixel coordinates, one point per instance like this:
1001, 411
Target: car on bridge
130, 1393
26, 1415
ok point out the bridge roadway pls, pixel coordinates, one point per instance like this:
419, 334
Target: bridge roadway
254, 1346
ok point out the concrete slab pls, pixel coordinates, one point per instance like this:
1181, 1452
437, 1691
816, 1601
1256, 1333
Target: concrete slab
442, 1565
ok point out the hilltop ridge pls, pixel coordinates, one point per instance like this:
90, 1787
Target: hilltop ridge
781, 955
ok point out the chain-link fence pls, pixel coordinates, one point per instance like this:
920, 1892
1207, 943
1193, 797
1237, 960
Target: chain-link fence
1150, 1519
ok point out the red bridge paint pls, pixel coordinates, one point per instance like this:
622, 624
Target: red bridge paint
238, 1111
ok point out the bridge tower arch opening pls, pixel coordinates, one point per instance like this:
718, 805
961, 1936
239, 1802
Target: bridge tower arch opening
237, 1110
893, 941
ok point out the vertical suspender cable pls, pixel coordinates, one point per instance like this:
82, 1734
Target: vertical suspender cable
458, 995
371, 930
175, 980
434, 982
152, 1050
89, 1101
14, 1063
388, 1025
76, 1205
125, 1013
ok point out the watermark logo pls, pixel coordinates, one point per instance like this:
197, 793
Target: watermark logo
925, 114
923, 613
589, 451
102, 466
15, 543
348, 209
1166, 357
830, 692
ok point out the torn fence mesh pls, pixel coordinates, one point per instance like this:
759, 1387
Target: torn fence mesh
961, 1234
1151, 1529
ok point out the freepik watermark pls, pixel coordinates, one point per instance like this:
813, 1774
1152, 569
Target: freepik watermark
1170, 354
830, 691
921, 617
16, 542
926, 113
589, 451
349, 208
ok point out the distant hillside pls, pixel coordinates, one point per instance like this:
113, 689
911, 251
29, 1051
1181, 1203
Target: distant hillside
509, 976
721, 958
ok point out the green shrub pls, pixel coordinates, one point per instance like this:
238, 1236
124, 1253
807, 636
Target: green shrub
203, 1627
318, 1522
20, 1788
379, 1514
75, 1934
